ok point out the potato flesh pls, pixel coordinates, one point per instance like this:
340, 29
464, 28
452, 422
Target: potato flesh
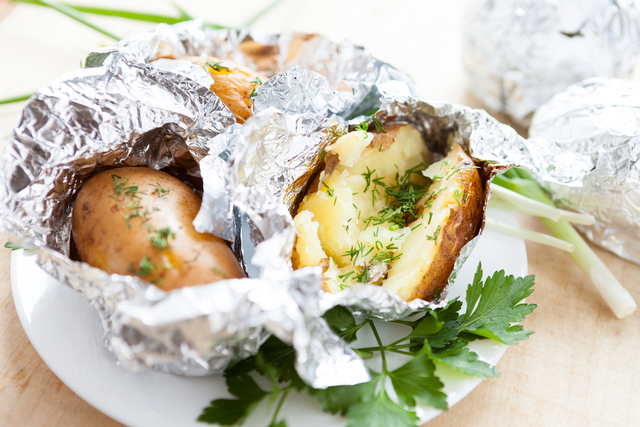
420, 248
426, 247
341, 205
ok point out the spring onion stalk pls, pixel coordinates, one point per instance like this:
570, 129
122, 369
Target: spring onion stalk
74, 14
15, 99
126, 14
533, 236
261, 13
536, 208
615, 295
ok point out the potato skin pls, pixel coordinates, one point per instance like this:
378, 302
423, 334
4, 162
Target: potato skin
424, 263
460, 228
233, 84
114, 228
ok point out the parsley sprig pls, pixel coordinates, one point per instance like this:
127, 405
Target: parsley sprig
437, 337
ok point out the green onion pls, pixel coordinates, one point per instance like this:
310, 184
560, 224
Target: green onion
533, 236
117, 13
261, 13
536, 208
615, 295
74, 14
15, 99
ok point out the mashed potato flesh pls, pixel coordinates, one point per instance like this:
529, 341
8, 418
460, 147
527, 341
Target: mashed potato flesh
348, 199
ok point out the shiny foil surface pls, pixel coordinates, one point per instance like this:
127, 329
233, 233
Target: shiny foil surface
353, 76
592, 131
519, 53
276, 147
135, 106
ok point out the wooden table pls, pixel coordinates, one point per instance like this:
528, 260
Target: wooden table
580, 368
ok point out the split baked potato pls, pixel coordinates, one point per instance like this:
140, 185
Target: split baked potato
233, 83
377, 214
138, 221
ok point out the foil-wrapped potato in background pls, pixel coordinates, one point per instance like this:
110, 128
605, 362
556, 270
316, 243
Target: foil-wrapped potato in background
519, 53
592, 129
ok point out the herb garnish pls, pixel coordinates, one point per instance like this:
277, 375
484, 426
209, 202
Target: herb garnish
216, 66
256, 82
145, 268
160, 238
220, 272
435, 234
160, 192
364, 127
458, 195
437, 337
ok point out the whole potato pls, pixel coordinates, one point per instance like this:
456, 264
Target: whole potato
138, 221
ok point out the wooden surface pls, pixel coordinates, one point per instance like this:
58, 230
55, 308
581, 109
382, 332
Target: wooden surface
580, 368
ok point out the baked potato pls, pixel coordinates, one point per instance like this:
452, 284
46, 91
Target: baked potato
372, 215
233, 83
138, 221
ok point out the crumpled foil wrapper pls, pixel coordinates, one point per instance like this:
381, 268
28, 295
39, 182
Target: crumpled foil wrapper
592, 131
127, 113
519, 53
353, 75
278, 149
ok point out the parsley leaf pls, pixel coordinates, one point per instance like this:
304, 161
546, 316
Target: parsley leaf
492, 307
228, 412
439, 336
416, 379
341, 399
466, 361
343, 324
380, 411
14, 246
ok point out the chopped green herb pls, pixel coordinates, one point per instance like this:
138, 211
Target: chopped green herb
430, 216
329, 189
385, 257
364, 127
458, 195
160, 192
145, 267
415, 226
216, 66
160, 238
256, 82
435, 234
363, 276
253, 93
220, 272
345, 276
191, 261
339, 131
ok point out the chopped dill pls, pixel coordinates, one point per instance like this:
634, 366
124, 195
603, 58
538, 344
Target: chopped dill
160, 192
160, 238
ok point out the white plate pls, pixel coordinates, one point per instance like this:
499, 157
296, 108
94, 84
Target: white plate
66, 332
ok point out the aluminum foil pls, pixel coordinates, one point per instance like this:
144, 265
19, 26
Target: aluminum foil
275, 148
519, 53
592, 131
124, 110
352, 73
